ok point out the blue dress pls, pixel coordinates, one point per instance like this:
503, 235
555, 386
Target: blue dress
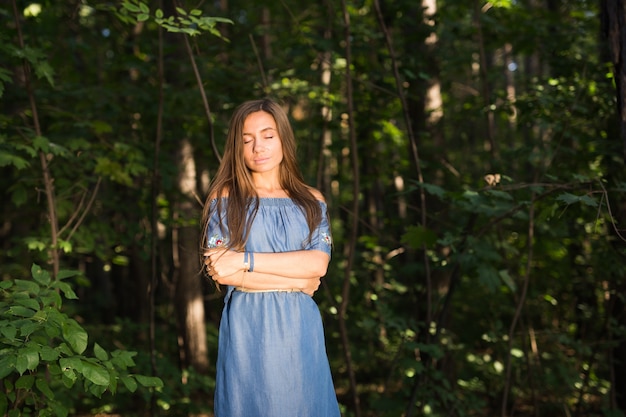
272, 359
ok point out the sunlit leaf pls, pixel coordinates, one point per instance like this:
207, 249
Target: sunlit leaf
149, 381
95, 373
75, 336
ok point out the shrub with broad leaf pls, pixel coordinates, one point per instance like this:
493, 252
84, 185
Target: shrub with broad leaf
43, 351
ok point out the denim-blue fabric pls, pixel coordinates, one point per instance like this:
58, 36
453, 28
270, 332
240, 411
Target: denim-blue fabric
272, 359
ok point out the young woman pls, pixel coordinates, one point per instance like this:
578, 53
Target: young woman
269, 243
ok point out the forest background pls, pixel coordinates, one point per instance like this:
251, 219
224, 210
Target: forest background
472, 154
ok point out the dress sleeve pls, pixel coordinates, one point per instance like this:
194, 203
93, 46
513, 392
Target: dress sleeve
217, 234
322, 238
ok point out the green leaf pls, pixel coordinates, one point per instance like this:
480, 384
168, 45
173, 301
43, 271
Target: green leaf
43, 69
142, 17
158, 13
64, 349
95, 373
589, 201
434, 189
40, 275
113, 170
75, 336
129, 383
51, 299
500, 194
65, 246
8, 330
44, 388
67, 273
48, 354
28, 302
27, 359
41, 143
25, 382
149, 381
7, 365
508, 281
69, 378
181, 11
144, 8
29, 287
100, 353
568, 198
6, 75
97, 390
10, 159
488, 276
71, 363
418, 236
29, 328
130, 7
123, 359
222, 20
68, 292
36, 244
113, 378
20, 311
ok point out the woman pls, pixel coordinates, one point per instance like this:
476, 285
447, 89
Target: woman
269, 243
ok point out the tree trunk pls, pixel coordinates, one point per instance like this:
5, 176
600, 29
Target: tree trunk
189, 295
613, 14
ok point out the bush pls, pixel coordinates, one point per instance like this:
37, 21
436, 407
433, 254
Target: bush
42, 351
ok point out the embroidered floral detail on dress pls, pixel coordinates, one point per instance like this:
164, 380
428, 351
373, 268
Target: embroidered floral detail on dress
216, 241
327, 239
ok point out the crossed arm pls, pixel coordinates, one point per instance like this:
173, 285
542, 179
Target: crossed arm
300, 270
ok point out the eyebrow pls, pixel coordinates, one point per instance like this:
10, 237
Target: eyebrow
262, 130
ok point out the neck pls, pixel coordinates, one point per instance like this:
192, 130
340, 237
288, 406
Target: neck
274, 192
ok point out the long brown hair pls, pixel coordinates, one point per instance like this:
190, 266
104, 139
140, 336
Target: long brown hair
233, 178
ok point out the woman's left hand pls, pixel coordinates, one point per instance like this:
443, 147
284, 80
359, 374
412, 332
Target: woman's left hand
222, 262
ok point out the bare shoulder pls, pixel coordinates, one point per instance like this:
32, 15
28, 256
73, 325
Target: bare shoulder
317, 194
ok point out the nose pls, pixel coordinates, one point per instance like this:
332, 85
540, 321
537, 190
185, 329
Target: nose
258, 147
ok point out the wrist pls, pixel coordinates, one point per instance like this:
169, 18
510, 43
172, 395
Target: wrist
248, 261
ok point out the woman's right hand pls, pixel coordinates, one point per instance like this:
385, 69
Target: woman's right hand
311, 286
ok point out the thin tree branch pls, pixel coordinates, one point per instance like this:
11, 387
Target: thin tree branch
205, 101
86, 210
43, 158
520, 306
259, 63
353, 234
155, 189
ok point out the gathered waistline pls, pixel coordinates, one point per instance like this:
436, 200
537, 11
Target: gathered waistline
242, 289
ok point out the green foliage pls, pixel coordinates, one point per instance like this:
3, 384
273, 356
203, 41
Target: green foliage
431, 304
43, 352
190, 23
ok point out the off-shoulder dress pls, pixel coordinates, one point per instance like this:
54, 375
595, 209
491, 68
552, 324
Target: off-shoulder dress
272, 359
